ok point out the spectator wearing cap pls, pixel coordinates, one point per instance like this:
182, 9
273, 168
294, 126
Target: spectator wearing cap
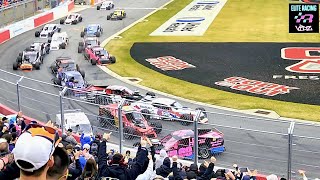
70, 139
117, 169
59, 170
85, 155
33, 151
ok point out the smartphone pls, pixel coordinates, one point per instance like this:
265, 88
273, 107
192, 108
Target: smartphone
244, 169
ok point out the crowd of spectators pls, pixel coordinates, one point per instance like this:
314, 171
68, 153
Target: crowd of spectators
33, 151
8, 3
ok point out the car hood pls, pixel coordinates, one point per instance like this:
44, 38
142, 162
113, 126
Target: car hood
69, 20
44, 32
54, 44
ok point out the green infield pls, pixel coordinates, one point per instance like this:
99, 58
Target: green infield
238, 21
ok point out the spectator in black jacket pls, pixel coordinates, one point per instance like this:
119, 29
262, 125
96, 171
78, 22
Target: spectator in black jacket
118, 169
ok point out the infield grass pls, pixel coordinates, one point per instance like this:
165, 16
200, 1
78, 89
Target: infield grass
238, 21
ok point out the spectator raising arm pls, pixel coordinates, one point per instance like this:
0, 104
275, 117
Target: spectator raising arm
142, 153
102, 156
149, 173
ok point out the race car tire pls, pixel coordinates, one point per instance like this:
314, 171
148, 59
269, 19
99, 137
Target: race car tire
37, 34
124, 15
203, 110
150, 94
80, 19
20, 54
63, 45
98, 7
80, 49
83, 74
120, 18
157, 126
15, 66
57, 81
82, 34
98, 34
99, 43
37, 66
49, 40
59, 30
81, 44
93, 62
108, 17
146, 114
108, 8
48, 51
74, 22
186, 119
129, 133
61, 21
19, 59
50, 34
204, 152
112, 59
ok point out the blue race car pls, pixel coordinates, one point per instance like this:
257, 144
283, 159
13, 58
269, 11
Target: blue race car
92, 30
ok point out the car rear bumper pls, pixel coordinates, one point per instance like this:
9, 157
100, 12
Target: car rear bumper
26, 66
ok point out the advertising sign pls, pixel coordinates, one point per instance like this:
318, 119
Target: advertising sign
193, 20
303, 18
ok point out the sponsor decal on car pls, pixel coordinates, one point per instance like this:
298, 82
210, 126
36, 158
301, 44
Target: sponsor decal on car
255, 86
303, 18
169, 63
193, 20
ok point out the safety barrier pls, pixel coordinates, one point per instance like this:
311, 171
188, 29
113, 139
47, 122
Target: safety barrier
20, 27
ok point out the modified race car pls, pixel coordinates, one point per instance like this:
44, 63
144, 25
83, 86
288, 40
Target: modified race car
59, 41
92, 30
86, 42
77, 121
106, 5
169, 109
134, 123
65, 64
180, 143
117, 15
42, 47
98, 55
73, 80
48, 30
28, 59
73, 18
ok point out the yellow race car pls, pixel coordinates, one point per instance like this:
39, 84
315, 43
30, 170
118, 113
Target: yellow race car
117, 15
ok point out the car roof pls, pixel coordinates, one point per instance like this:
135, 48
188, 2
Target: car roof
121, 88
67, 61
165, 101
72, 73
75, 118
93, 25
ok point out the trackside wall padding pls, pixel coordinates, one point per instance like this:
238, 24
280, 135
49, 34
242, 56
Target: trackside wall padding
4, 36
43, 19
70, 6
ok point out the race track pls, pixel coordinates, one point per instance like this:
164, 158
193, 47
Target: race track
246, 142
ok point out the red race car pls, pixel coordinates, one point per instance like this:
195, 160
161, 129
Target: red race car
98, 55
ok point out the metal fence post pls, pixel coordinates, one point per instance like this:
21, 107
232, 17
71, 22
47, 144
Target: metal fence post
18, 92
61, 94
290, 142
120, 105
195, 140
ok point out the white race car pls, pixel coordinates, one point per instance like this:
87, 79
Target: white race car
77, 121
168, 109
73, 18
59, 41
106, 5
48, 30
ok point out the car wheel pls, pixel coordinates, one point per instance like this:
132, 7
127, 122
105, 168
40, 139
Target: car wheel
204, 152
98, 34
108, 17
80, 19
146, 114
113, 59
15, 66
57, 81
37, 66
82, 34
157, 126
37, 34
61, 21
98, 7
93, 62
63, 46
59, 30
150, 94
186, 119
19, 59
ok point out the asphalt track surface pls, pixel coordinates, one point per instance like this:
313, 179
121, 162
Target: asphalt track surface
251, 147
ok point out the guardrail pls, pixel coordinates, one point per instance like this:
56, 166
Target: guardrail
268, 145
28, 24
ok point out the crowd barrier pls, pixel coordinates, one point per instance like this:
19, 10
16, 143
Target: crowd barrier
23, 26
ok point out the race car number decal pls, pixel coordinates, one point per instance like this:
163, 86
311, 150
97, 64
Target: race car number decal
255, 87
169, 63
309, 58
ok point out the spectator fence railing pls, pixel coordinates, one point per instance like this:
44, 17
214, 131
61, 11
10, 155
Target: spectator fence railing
275, 146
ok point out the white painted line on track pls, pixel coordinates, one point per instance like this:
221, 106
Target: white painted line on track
125, 80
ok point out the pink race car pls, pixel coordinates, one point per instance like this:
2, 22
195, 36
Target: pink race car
181, 143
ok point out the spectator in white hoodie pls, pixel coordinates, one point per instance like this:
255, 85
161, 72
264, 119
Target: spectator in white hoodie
149, 173
163, 154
